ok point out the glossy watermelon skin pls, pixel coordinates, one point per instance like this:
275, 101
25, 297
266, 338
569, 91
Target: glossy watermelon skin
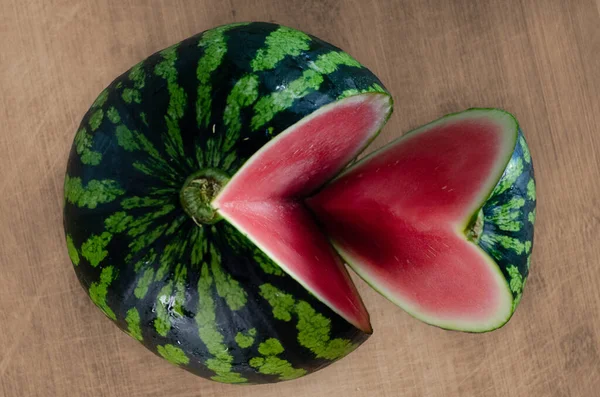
509, 219
204, 298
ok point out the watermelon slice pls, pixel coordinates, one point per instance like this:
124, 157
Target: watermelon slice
440, 221
264, 199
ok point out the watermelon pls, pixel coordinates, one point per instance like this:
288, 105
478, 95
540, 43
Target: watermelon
440, 221
184, 214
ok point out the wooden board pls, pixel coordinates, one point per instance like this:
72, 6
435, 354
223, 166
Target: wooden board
539, 59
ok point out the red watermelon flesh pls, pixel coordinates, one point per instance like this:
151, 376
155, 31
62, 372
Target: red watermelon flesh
264, 200
400, 217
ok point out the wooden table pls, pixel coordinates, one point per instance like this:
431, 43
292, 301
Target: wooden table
539, 59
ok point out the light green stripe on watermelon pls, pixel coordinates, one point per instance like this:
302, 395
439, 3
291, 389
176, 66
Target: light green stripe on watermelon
142, 202
138, 76
113, 115
215, 47
99, 290
176, 224
245, 340
200, 156
516, 279
163, 300
163, 191
125, 138
314, 329
516, 284
210, 335
511, 243
72, 250
117, 222
171, 253
243, 94
130, 95
267, 107
282, 304
96, 119
270, 347
151, 170
94, 248
213, 152
266, 264
148, 258
101, 100
173, 354
279, 44
141, 225
517, 246
517, 299
228, 161
94, 193
507, 216
272, 365
531, 189
143, 283
227, 287
513, 171
133, 324
180, 281
531, 216
170, 301
147, 147
525, 148
329, 63
83, 146
200, 247
156, 165
177, 101
133, 140
145, 240
353, 91
276, 366
214, 43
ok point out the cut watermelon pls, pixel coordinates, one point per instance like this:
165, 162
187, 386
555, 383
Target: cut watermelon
440, 221
183, 201
263, 200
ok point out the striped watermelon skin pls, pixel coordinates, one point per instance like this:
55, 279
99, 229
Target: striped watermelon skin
509, 218
204, 298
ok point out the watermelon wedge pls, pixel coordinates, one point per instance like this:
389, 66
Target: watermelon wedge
441, 220
264, 199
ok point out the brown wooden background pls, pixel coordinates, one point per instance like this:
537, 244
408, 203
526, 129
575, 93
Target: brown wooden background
539, 59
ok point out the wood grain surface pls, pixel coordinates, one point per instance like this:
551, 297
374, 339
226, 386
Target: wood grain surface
539, 59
